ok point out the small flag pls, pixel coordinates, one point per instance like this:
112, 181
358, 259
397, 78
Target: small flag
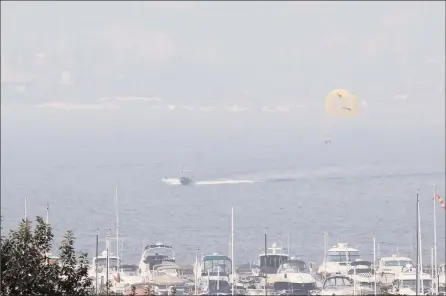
442, 204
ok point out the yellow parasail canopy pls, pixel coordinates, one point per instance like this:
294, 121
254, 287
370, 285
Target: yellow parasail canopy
341, 103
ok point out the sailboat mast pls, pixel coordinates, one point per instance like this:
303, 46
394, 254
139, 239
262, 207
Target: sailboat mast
325, 254
435, 280
26, 213
421, 249
232, 250
418, 248
47, 213
266, 266
107, 242
117, 226
432, 270
95, 261
374, 263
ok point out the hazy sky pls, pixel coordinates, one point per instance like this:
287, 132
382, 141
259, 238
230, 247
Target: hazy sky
73, 67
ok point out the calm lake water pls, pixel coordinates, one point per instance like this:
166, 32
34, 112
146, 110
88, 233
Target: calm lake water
352, 189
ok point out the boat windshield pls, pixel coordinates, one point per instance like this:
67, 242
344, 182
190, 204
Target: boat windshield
397, 263
337, 282
293, 266
217, 266
335, 256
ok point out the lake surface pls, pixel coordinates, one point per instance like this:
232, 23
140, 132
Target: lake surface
352, 189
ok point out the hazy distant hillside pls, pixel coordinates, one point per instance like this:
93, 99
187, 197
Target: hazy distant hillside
205, 52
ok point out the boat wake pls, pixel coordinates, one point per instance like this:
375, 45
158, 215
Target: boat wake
223, 182
176, 182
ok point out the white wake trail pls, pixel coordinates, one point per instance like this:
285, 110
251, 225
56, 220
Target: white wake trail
224, 182
176, 182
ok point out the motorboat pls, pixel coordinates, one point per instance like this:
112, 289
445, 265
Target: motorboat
293, 277
128, 274
342, 285
270, 262
337, 260
362, 273
247, 275
405, 282
389, 267
101, 262
155, 254
214, 274
185, 180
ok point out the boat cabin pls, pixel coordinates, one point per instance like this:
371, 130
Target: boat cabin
341, 253
157, 254
393, 264
102, 259
293, 265
338, 259
128, 269
216, 265
271, 261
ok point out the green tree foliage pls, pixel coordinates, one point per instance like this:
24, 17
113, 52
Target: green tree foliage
25, 268
73, 272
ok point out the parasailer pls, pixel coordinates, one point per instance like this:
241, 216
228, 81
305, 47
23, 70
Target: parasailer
340, 103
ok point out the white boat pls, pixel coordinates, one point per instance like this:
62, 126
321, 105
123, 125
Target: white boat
270, 262
405, 282
101, 263
362, 273
337, 260
341, 285
389, 267
293, 276
152, 255
214, 274
128, 274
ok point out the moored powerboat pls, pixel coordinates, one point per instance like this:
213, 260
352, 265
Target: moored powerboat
293, 277
337, 260
214, 274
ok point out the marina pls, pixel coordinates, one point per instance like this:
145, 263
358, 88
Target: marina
343, 270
